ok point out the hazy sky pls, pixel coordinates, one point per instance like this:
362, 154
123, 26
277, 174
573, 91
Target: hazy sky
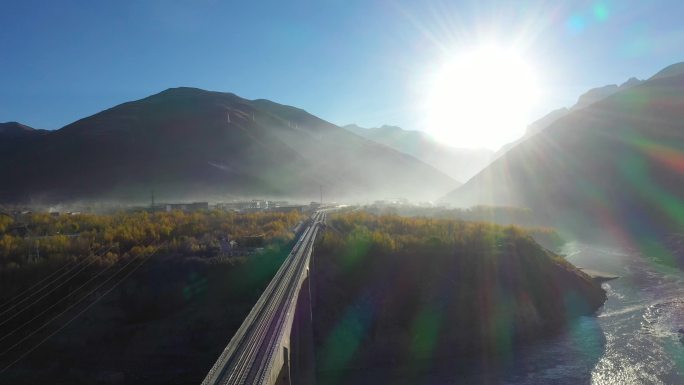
345, 61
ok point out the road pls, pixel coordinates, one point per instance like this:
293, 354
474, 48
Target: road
253, 355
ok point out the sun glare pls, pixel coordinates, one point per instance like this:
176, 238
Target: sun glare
481, 98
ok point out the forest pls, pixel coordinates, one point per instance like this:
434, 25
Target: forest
407, 292
501, 215
36, 243
121, 289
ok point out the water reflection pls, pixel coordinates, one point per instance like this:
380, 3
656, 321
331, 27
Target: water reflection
640, 319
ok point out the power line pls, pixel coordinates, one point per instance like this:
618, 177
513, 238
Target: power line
37, 284
73, 266
77, 315
53, 305
92, 260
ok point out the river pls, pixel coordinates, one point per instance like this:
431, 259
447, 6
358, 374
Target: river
633, 339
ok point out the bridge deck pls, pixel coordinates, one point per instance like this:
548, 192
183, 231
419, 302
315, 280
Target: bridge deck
253, 354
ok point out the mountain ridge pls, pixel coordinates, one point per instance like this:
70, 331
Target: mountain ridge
608, 167
589, 97
188, 143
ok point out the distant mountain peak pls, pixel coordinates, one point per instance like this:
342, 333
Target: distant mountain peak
599, 93
391, 127
459, 163
184, 90
676, 69
631, 82
191, 92
384, 128
16, 130
7, 126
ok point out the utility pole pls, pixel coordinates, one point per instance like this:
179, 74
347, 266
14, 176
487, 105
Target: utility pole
321, 194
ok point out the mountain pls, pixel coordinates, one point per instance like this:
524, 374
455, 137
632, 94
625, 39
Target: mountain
15, 130
187, 143
459, 163
587, 98
14, 135
613, 167
595, 94
535, 127
545, 121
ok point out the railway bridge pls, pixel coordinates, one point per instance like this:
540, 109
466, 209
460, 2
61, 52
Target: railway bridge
274, 344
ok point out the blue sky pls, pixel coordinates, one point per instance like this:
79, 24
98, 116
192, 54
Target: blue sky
345, 61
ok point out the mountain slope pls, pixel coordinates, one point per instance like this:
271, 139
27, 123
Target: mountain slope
459, 163
15, 130
614, 165
188, 143
596, 94
592, 96
535, 127
14, 134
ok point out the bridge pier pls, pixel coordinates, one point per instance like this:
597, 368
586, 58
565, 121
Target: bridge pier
285, 377
298, 358
302, 355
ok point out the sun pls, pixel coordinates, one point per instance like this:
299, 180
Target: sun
481, 98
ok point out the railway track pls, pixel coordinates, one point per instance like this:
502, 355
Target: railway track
252, 355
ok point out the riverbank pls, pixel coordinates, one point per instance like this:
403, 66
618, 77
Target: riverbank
599, 276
